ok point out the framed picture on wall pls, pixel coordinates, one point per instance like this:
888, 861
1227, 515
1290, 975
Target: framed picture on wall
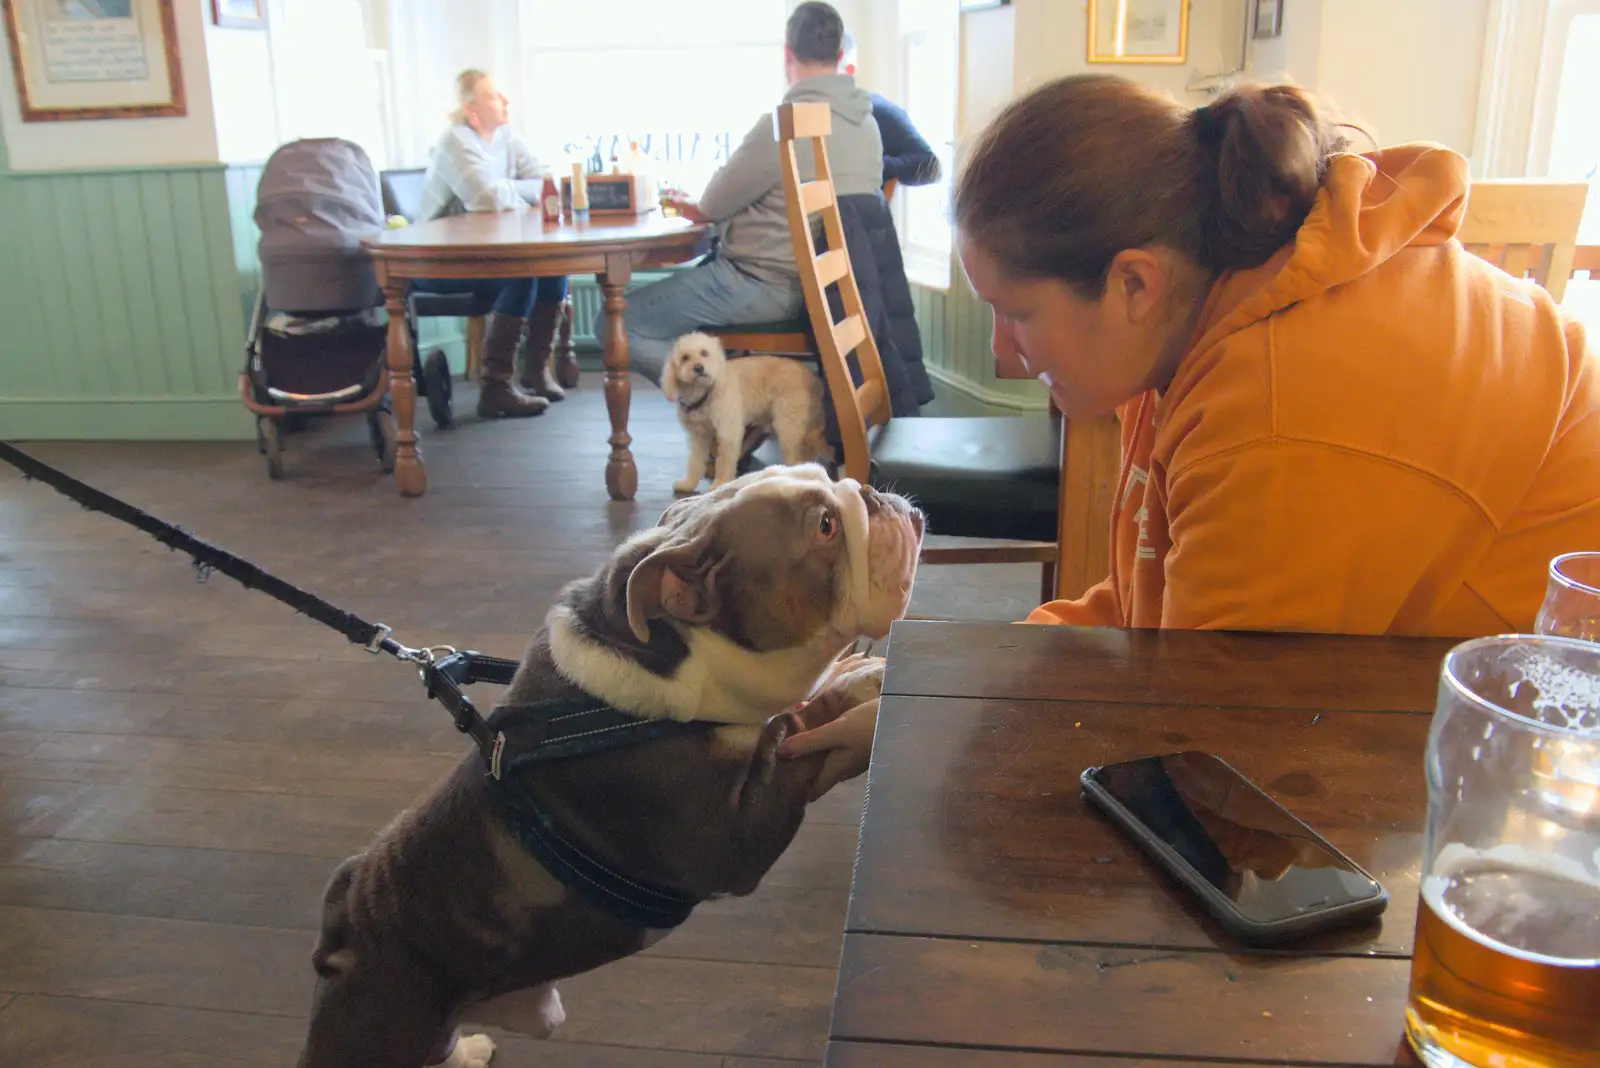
241, 14
1267, 19
94, 59
1138, 31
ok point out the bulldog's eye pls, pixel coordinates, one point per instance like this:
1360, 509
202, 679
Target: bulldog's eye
827, 527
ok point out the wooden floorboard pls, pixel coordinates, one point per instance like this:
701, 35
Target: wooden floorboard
182, 764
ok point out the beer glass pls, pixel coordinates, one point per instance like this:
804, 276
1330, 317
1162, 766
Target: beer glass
1572, 598
1506, 967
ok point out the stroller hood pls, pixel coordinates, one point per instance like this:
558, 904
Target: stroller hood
317, 201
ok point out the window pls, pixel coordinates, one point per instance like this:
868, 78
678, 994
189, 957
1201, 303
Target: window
687, 81
1566, 137
929, 32
326, 81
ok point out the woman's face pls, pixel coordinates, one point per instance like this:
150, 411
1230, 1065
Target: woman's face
489, 109
1093, 354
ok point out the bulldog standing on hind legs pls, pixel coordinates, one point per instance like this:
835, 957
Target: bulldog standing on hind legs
691, 644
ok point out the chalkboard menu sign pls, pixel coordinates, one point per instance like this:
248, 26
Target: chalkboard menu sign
614, 194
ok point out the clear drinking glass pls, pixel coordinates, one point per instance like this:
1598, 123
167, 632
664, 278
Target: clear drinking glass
1506, 967
1572, 598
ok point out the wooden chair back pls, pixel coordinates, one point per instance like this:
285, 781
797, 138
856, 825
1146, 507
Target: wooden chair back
1526, 227
888, 189
858, 408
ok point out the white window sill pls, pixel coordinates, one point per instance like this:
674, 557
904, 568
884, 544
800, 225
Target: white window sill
927, 267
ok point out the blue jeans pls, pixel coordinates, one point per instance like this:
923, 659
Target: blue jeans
709, 294
512, 296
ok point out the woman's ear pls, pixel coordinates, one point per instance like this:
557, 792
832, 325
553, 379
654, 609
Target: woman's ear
1138, 283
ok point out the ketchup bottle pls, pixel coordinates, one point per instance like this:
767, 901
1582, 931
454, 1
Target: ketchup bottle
550, 199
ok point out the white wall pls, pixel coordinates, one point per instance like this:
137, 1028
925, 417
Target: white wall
1052, 39
1293, 55
1406, 71
191, 138
241, 93
988, 62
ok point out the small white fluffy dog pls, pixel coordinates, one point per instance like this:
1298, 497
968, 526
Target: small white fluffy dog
718, 398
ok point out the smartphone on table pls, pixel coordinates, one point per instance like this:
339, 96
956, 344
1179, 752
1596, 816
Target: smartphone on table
1264, 875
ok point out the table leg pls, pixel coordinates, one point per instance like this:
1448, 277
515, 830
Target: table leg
409, 474
622, 476
566, 358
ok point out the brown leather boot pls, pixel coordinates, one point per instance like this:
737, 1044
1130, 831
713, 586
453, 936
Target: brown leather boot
498, 395
538, 376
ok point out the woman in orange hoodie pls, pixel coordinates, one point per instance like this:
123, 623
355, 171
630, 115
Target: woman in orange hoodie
1334, 418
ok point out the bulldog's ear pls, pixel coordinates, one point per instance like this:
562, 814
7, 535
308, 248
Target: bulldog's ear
669, 383
678, 580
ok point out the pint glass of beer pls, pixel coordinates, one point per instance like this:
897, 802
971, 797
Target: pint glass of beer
1571, 606
1506, 967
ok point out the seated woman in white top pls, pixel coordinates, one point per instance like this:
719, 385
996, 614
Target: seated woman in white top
479, 164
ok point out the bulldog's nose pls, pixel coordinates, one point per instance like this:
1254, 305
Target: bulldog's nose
699, 368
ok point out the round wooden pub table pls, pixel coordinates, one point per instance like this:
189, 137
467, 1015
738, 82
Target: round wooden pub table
519, 244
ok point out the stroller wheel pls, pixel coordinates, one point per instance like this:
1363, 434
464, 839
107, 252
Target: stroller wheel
436, 387
384, 433
271, 444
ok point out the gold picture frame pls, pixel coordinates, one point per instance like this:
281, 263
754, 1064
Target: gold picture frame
94, 59
238, 14
1139, 31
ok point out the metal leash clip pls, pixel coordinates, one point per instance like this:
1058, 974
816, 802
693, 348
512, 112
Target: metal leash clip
375, 646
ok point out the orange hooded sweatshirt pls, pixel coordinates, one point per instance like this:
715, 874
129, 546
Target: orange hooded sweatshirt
1375, 432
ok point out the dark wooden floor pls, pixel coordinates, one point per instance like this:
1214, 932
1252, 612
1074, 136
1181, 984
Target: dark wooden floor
181, 765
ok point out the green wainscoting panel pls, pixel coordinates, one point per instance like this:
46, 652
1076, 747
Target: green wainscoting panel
955, 327
120, 310
125, 295
240, 180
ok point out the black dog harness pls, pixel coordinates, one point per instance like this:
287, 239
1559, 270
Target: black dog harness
516, 737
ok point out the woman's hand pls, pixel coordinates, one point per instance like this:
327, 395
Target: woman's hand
847, 741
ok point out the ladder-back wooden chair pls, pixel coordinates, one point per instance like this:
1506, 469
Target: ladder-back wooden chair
1527, 227
989, 478
789, 338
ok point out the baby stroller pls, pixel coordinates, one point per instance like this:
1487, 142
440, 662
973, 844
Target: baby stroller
316, 344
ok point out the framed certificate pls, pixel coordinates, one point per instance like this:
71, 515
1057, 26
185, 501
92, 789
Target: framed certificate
94, 59
1138, 31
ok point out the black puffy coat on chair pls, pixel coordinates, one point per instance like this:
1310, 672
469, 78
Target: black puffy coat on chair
880, 274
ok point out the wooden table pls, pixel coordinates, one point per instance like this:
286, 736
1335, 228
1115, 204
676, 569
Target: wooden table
518, 244
998, 921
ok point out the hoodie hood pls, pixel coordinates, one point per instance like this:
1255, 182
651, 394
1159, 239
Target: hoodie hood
1369, 209
844, 98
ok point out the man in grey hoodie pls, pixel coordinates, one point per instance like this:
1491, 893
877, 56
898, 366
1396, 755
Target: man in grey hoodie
752, 276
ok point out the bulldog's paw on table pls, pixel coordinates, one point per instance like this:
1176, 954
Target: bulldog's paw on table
854, 680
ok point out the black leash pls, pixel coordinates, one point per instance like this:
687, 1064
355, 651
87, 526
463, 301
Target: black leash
445, 686
546, 730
